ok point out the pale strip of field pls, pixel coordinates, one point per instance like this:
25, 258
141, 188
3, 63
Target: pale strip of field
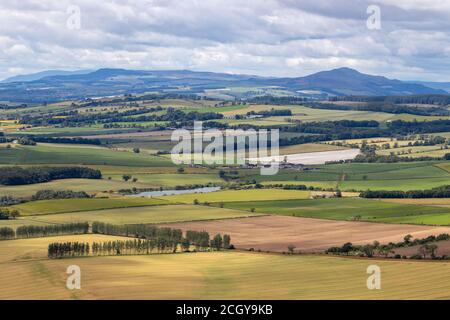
309, 147
331, 194
134, 215
85, 204
223, 275
275, 233
440, 202
444, 166
240, 195
311, 158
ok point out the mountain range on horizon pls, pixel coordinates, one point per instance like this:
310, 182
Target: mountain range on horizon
57, 85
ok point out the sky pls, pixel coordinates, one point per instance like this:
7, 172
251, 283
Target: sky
402, 39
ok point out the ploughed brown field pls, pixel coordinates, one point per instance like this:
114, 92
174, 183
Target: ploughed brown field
276, 233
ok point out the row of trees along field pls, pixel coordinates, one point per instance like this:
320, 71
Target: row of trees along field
169, 237
22, 176
52, 230
7, 233
24, 232
167, 241
439, 192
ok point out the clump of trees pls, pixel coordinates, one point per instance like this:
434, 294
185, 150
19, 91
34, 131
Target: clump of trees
427, 246
7, 233
62, 194
9, 201
52, 230
68, 249
166, 237
7, 214
158, 244
75, 140
271, 113
439, 192
22, 176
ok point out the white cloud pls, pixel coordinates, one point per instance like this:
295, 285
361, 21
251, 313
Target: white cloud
284, 37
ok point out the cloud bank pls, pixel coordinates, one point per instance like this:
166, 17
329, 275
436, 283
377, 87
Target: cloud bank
262, 37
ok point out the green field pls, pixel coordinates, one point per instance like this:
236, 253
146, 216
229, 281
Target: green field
50, 154
348, 209
75, 205
133, 215
363, 176
87, 185
28, 274
240, 195
172, 180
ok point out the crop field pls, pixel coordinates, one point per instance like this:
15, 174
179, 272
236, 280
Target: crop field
439, 202
444, 166
309, 147
276, 233
420, 151
75, 205
363, 176
87, 185
344, 209
77, 155
27, 274
171, 180
133, 215
239, 195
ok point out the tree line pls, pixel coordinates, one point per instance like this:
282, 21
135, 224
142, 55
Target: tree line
437, 99
439, 192
25, 232
7, 233
168, 237
52, 230
370, 250
7, 214
59, 194
387, 107
32, 175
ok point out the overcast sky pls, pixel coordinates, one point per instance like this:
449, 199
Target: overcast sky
263, 37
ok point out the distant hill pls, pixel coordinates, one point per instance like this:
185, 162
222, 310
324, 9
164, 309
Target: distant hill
53, 86
435, 85
43, 74
346, 81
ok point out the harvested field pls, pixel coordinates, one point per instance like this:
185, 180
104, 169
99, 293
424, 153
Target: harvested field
311, 158
275, 233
